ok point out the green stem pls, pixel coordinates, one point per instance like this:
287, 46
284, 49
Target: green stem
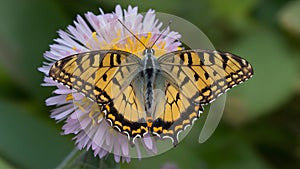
69, 159
86, 160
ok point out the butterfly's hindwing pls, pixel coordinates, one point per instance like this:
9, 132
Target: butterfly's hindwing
175, 113
127, 112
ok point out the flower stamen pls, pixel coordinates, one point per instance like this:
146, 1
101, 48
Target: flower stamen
94, 36
69, 97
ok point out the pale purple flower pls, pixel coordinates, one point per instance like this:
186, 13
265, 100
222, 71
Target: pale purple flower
82, 117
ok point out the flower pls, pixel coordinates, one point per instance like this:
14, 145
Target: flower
96, 32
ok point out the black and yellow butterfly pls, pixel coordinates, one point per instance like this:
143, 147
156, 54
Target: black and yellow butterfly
155, 95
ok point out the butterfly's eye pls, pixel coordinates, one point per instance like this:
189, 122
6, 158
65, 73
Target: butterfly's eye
152, 51
149, 51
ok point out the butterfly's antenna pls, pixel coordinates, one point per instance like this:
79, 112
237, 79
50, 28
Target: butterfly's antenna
161, 34
132, 33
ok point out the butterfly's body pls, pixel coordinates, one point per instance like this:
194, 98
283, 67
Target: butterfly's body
151, 95
149, 72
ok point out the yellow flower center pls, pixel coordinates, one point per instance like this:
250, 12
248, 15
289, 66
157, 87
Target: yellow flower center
129, 44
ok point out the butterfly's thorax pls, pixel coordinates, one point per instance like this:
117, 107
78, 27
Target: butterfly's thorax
149, 61
150, 70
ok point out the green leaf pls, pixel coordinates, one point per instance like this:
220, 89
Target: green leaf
27, 28
5, 165
29, 142
228, 150
273, 83
233, 13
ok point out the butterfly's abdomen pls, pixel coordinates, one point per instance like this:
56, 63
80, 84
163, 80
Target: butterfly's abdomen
150, 70
149, 79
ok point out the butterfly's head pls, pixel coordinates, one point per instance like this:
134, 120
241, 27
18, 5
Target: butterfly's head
148, 51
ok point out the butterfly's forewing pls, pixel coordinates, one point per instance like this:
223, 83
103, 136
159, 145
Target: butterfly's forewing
99, 75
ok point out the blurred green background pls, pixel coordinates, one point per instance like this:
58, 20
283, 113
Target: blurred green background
261, 124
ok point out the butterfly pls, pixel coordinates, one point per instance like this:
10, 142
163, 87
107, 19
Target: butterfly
160, 96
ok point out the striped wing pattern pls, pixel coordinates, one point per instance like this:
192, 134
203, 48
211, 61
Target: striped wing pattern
175, 113
204, 75
187, 80
99, 75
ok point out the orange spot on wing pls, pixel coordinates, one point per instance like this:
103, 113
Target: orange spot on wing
149, 121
